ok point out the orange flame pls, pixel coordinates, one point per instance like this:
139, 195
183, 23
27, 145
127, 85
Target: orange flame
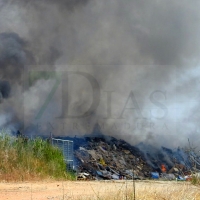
163, 168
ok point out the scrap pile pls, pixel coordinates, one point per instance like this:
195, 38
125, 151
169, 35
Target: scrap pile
108, 158
111, 159
171, 164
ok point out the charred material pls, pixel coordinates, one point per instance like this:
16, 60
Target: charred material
108, 158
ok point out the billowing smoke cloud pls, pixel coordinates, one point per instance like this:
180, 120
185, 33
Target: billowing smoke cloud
150, 48
13, 57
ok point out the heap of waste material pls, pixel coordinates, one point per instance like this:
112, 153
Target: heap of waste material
174, 164
98, 156
109, 158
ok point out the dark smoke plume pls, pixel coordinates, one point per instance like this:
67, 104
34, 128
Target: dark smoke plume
13, 56
151, 48
5, 89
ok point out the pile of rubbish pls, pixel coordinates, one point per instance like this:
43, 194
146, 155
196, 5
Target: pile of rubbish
100, 157
106, 158
113, 159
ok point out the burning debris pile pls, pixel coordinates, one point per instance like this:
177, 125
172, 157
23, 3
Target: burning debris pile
103, 157
171, 164
113, 159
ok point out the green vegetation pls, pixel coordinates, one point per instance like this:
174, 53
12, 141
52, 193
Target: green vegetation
195, 180
23, 159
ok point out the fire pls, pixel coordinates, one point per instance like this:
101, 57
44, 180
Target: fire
163, 168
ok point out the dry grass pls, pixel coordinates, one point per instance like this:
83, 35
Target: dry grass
148, 190
155, 191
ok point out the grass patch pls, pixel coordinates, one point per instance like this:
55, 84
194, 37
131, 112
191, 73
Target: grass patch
147, 191
30, 160
195, 180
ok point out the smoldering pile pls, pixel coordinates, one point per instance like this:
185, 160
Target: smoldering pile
103, 157
110, 159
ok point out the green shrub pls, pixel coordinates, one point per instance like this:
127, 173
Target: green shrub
195, 180
23, 159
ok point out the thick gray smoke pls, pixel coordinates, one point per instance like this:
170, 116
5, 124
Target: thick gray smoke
13, 56
143, 55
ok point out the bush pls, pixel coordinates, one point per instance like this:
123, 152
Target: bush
23, 159
195, 180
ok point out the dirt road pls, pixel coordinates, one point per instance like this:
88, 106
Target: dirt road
98, 190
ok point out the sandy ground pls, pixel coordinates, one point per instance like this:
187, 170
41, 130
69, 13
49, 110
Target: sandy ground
90, 189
